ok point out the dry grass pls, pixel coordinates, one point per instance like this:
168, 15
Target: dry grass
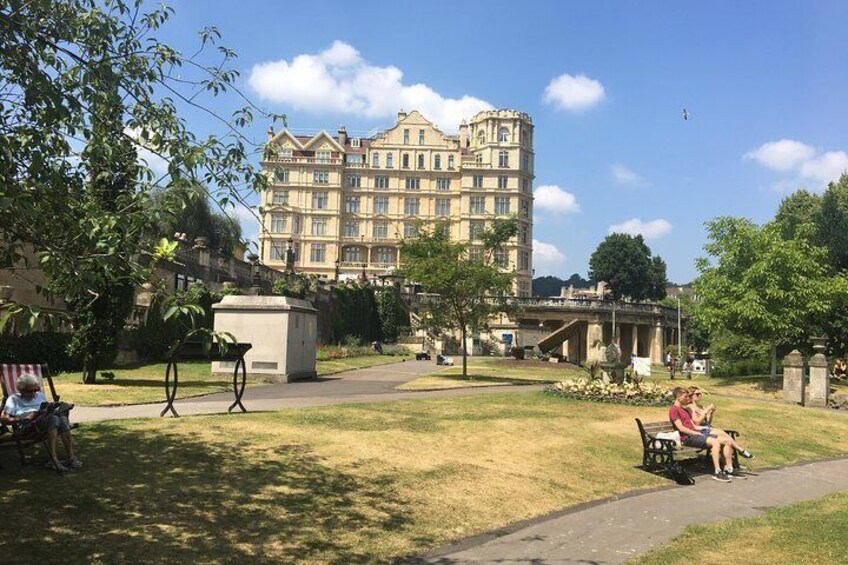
763, 387
357, 483
493, 371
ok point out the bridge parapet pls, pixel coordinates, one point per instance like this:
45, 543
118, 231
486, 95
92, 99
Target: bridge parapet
591, 304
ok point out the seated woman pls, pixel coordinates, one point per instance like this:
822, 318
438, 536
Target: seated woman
702, 417
23, 407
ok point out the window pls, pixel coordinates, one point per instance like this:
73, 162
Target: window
502, 206
502, 181
182, 281
352, 204
525, 162
475, 229
443, 183
318, 252
478, 159
502, 258
405, 161
481, 137
522, 235
478, 204
410, 229
281, 175
286, 153
278, 251
450, 161
421, 161
525, 209
389, 161
437, 162
503, 135
524, 260
381, 229
421, 137
351, 228
354, 181
352, 254
443, 229
411, 206
406, 137
443, 206
525, 186
278, 223
355, 142
477, 181
375, 160
319, 226
381, 181
296, 228
475, 254
355, 159
384, 255
381, 204
320, 200
503, 158
280, 198
522, 136
320, 177
323, 156
413, 183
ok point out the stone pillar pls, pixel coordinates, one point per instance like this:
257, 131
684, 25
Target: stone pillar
634, 347
594, 332
819, 377
573, 350
793, 378
657, 355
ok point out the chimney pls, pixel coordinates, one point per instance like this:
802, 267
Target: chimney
401, 114
270, 132
463, 134
342, 136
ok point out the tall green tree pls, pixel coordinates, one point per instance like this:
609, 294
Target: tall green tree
798, 213
756, 283
90, 100
625, 263
831, 223
467, 288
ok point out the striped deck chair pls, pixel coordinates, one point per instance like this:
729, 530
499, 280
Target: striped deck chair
9, 374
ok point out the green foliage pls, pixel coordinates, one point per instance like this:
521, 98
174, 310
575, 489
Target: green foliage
393, 313
551, 286
625, 263
831, 223
469, 289
52, 348
196, 219
293, 286
355, 313
796, 216
740, 368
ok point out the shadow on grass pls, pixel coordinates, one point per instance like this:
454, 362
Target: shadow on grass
474, 378
161, 496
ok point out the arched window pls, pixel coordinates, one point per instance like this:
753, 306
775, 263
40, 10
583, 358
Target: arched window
437, 162
481, 137
375, 160
389, 160
503, 135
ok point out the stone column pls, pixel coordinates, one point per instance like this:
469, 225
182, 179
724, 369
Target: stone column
793, 378
634, 343
819, 378
657, 355
594, 332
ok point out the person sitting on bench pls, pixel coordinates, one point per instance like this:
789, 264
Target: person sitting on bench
24, 406
702, 417
692, 437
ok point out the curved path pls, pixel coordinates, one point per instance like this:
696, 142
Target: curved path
374, 384
620, 528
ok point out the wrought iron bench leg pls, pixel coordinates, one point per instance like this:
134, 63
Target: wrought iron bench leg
238, 388
171, 389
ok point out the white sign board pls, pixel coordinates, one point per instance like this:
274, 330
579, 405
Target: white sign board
642, 366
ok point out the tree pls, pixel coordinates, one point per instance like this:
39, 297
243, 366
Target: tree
831, 221
756, 283
551, 286
624, 262
467, 288
197, 219
797, 214
90, 101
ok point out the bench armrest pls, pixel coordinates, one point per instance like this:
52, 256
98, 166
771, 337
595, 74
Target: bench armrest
665, 444
732, 433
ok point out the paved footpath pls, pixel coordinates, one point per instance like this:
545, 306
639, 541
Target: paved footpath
617, 529
375, 384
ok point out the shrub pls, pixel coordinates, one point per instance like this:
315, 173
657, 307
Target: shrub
740, 368
51, 348
639, 394
517, 352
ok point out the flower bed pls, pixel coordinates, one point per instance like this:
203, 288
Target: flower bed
638, 394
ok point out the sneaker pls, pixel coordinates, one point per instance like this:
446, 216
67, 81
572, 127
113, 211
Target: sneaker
746, 454
73, 463
58, 467
736, 473
721, 476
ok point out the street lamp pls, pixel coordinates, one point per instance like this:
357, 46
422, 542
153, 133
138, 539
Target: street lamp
338, 271
290, 256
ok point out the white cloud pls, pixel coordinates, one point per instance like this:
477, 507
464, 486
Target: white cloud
799, 158
552, 198
781, 155
649, 230
574, 93
547, 259
339, 80
623, 175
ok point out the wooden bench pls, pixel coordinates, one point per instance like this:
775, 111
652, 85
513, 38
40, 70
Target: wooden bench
9, 374
660, 454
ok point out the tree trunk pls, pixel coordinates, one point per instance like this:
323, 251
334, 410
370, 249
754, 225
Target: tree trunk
464, 353
89, 374
774, 357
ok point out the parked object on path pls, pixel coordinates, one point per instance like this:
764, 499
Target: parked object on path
377, 346
444, 360
422, 356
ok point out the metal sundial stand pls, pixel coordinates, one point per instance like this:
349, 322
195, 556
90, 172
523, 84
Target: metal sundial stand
194, 351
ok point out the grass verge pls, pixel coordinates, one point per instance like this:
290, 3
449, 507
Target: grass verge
356, 483
811, 532
493, 371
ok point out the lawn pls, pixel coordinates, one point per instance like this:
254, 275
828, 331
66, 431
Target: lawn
759, 386
355, 483
493, 371
811, 532
146, 383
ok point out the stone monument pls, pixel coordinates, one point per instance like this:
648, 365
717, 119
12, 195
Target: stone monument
819, 376
793, 378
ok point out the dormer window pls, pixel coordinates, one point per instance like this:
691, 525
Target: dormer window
421, 137
355, 142
323, 156
406, 137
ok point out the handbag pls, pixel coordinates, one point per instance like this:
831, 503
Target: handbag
680, 476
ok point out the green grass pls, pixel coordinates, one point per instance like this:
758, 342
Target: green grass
811, 532
356, 483
146, 383
489, 371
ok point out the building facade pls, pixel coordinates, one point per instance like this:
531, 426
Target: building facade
344, 203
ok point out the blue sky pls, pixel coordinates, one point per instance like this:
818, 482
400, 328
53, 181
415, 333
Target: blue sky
764, 82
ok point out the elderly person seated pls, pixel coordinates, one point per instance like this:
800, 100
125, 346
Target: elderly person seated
22, 409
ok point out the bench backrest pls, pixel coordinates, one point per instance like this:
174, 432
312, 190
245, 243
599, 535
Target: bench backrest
649, 430
9, 374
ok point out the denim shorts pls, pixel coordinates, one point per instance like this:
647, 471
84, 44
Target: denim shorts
60, 423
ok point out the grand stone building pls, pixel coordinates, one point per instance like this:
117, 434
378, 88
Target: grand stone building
342, 203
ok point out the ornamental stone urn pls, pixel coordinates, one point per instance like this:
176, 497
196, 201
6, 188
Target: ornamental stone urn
6, 293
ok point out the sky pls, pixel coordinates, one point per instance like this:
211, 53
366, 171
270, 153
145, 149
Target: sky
764, 84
